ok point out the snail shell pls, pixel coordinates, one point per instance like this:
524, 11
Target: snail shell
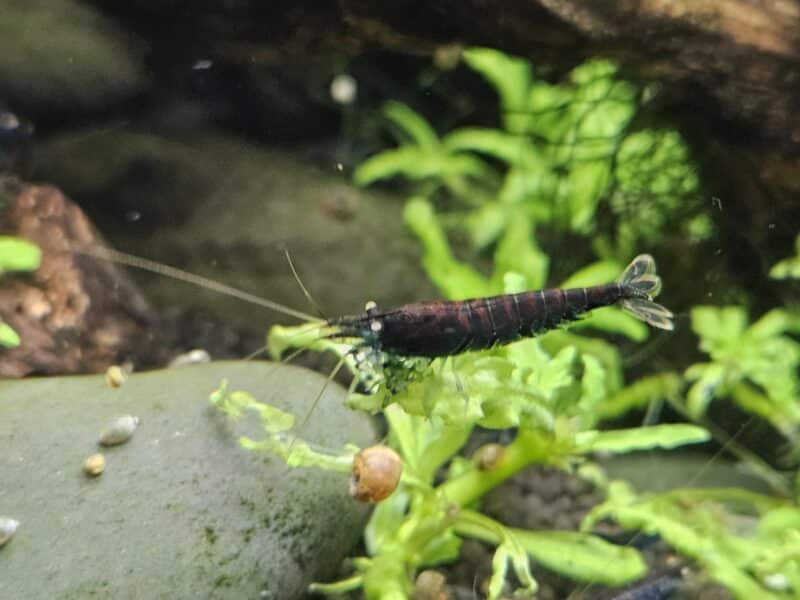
486, 457
376, 473
8, 527
192, 357
430, 585
94, 465
120, 431
115, 376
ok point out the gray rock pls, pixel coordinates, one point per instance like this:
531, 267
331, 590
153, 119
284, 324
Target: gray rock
225, 208
62, 55
181, 511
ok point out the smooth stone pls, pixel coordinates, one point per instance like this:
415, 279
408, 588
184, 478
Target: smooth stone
62, 56
181, 510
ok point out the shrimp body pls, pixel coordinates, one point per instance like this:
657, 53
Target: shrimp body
444, 328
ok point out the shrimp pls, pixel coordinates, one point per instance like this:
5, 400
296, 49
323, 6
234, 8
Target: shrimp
445, 328
438, 329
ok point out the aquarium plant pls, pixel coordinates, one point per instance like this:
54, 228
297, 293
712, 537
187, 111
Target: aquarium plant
16, 254
569, 159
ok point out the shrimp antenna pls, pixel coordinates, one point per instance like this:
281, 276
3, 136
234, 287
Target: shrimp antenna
314, 404
160, 269
306, 293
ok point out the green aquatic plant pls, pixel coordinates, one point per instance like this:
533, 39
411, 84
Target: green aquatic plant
569, 158
755, 365
748, 542
788, 268
16, 255
550, 389
562, 151
551, 400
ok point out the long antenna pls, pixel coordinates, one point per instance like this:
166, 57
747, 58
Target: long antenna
148, 265
306, 293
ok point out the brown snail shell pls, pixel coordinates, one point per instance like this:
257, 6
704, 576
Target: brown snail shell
430, 585
376, 473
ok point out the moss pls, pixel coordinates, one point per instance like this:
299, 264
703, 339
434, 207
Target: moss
211, 535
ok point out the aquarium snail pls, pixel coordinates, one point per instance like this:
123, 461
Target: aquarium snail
430, 585
115, 376
8, 527
488, 456
94, 465
376, 473
192, 357
119, 431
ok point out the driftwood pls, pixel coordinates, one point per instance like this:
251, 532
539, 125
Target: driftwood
75, 314
741, 57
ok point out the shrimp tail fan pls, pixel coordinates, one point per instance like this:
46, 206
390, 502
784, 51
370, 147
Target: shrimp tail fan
640, 285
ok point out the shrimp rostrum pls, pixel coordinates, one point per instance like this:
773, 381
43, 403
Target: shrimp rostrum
446, 328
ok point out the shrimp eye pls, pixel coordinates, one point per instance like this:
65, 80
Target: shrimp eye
376, 473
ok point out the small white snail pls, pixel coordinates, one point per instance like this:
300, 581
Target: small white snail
192, 357
120, 431
8, 527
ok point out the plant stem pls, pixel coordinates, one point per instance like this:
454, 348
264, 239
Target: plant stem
528, 448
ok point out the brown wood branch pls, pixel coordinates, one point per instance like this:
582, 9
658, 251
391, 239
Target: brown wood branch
738, 57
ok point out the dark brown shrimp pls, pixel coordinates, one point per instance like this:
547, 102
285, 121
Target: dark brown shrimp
443, 328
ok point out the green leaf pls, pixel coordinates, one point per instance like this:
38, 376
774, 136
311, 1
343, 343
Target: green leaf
499, 572
417, 164
389, 163
596, 273
640, 438
586, 183
614, 320
8, 337
706, 525
510, 76
456, 280
788, 267
709, 378
17, 254
582, 556
386, 519
642, 392
412, 124
507, 147
593, 387
517, 251
486, 223
713, 324
425, 444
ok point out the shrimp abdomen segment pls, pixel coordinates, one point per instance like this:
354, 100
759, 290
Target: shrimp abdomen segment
439, 328
444, 328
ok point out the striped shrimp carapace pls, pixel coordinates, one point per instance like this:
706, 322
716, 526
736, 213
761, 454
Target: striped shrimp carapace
444, 328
